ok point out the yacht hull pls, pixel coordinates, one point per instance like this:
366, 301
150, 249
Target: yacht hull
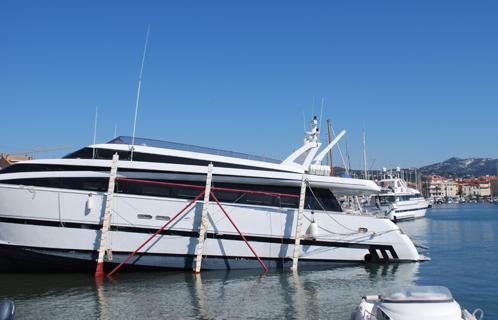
49, 229
410, 214
24, 259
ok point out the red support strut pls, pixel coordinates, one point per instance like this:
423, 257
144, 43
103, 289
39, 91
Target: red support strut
240, 233
155, 234
190, 204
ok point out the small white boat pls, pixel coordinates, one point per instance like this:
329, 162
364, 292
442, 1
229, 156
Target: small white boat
397, 201
417, 302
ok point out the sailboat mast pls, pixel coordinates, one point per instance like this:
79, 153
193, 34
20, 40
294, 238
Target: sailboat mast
340, 152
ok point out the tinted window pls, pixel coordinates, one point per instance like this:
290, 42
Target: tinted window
322, 198
103, 154
106, 154
93, 184
261, 199
39, 167
318, 200
386, 200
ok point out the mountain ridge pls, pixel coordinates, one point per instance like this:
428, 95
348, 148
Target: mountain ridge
459, 167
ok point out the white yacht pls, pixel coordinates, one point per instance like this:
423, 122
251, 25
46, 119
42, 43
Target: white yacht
52, 210
398, 201
417, 302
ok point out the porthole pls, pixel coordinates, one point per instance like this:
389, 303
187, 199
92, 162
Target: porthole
144, 216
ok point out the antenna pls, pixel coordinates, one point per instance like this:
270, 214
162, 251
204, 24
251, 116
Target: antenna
347, 154
340, 151
321, 114
95, 130
365, 154
138, 92
330, 151
372, 164
304, 121
115, 130
313, 108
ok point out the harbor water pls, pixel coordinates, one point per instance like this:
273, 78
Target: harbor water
462, 241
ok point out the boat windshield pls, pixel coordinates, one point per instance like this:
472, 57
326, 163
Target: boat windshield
186, 147
387, 184
386, 200
419, 294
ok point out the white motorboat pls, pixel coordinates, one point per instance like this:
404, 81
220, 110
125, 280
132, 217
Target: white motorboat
398, 201
52, 210
414, 303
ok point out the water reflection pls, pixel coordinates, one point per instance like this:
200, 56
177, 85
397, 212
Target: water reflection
200, 298
457, 241
297, 305
235, 294
103, 308
462, 245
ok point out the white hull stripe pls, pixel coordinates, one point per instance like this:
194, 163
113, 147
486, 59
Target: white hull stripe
195, 234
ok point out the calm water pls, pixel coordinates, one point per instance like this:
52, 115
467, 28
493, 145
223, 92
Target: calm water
462, 242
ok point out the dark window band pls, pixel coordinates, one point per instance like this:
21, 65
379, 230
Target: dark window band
321, 197
106, 154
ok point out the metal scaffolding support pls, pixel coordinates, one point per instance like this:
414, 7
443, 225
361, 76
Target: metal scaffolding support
207, 190
104, 234
204, 221
299, 224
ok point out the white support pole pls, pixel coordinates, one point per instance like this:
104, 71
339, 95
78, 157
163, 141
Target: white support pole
99, 272
204, 221
299, 224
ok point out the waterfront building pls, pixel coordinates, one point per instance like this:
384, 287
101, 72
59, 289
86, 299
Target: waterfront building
493, 181
476, 187
470, 190
439, 188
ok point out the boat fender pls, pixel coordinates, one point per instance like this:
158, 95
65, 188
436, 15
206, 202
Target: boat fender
7, 309
312, 231
89, 203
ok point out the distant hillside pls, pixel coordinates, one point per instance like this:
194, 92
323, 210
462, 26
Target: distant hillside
457, 167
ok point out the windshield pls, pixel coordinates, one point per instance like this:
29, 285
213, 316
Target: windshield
419, 294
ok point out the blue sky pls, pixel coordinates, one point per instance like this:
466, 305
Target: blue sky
421, 76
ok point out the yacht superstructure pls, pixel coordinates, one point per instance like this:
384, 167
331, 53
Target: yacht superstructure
51, 210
